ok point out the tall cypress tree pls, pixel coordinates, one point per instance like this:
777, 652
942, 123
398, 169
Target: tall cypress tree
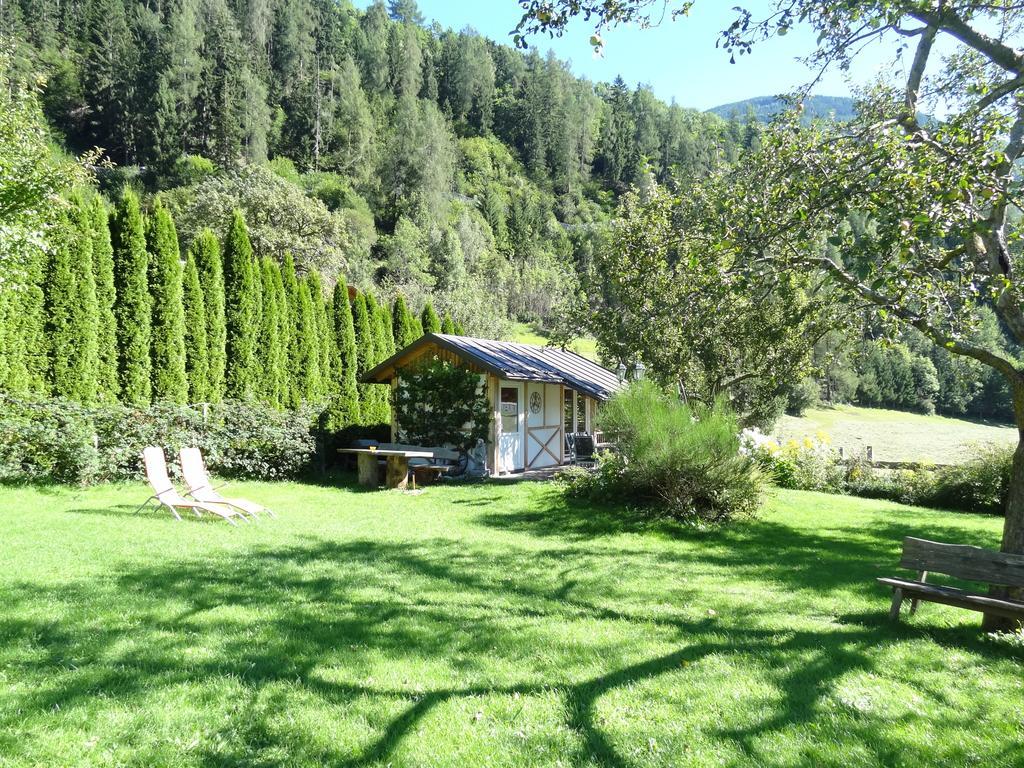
295, 377
366, 356
240, 311
72, 362
132, 303
197, 346
271, 349
403, 330
85, 358
448, 325
285, 328
429, 320
209, 264
308, 342
388, 346
344, 410
383, 345
167, 342
459, 330
325, 333
30, 360
106, 326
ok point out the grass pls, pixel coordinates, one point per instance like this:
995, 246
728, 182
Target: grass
528, 334
484, 625
896, 435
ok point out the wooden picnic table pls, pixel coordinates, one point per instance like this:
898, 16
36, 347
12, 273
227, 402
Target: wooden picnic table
397, 475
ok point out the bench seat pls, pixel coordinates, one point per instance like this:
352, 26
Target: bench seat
959, 598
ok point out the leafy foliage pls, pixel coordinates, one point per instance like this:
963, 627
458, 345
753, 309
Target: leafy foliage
440, 403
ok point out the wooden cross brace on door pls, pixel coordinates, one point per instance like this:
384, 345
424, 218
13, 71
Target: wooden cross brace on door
544, 446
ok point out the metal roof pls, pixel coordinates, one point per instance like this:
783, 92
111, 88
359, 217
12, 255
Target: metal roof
514, 361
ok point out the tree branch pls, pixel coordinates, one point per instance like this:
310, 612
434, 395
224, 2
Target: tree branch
996, 51
1001, 364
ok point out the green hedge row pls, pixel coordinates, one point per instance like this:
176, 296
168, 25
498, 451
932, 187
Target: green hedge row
64, 442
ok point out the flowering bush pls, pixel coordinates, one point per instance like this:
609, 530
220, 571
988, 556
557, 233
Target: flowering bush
808, 465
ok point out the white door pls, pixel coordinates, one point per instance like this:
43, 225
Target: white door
543, 426
513, 426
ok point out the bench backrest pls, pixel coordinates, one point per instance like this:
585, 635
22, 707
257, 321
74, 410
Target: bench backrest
963, 561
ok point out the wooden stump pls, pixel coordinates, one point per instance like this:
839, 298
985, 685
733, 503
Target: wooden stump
398, 472
367, 469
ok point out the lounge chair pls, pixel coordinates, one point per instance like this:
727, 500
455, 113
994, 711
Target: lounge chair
201, 489
165, 492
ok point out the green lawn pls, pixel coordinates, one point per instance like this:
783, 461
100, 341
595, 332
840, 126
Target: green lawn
527, 334
895, 435
484, 625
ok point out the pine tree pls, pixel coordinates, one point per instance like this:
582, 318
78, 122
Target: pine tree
197, 345
308, 342
240, 312
271, 350
366, 356
344, 408
167, 340
106, 326
132, 303
459, 330
429, 320
290, 314
404, 331
448, 326
210, 266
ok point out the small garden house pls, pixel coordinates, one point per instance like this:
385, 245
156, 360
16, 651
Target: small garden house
537, 394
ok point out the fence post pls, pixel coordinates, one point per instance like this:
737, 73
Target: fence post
841, 453
870, 453
206, 412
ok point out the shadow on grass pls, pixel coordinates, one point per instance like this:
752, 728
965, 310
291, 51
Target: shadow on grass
319, 614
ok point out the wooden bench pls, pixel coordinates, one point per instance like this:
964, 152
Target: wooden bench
962, 562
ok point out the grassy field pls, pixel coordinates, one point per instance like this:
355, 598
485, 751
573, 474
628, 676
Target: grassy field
484, 625
895, 435
527, 334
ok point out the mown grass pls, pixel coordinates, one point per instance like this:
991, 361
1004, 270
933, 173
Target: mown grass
896, 435
484, 625
528, 334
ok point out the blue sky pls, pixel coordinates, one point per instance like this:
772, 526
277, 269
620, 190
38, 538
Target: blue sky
678, 60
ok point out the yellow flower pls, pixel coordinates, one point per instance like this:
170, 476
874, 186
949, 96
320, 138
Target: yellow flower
823, 437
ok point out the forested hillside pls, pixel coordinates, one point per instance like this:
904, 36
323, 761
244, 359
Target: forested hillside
421, 160
423, 166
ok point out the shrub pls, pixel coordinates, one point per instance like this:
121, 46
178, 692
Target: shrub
50, 441
810, 465
683, 461
58, 441
440, 403
979, 485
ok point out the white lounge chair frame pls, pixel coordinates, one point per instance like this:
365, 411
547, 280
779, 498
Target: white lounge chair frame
193, 469
165, 493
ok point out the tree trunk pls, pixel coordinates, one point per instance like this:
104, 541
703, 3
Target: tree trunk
1013, 525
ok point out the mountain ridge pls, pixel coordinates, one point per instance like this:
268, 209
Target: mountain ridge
764, 108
